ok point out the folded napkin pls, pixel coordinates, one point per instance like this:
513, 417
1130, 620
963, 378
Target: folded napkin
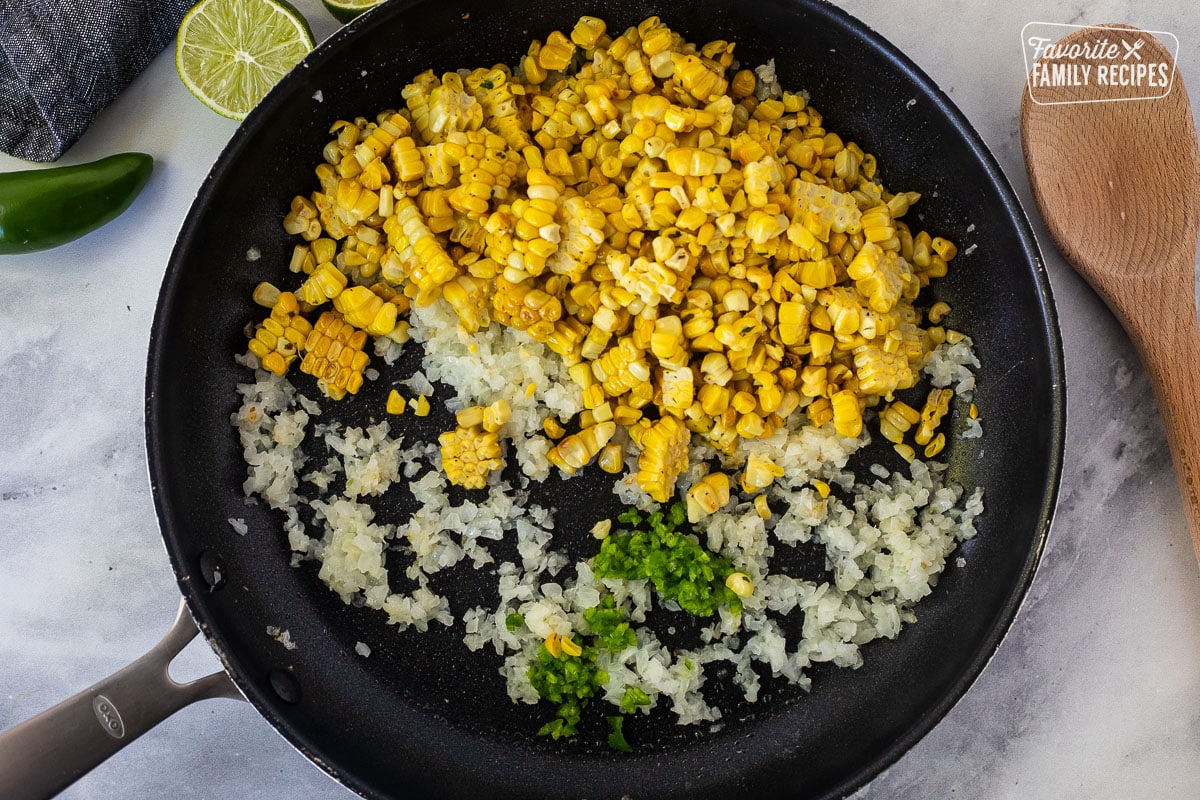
62, 61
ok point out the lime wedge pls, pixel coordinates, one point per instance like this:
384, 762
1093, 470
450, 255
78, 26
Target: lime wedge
230, 53
346, 10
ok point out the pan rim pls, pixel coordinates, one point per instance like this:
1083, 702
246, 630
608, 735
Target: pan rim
1013, 212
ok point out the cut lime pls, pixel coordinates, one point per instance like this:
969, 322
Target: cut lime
230, 53
346, 10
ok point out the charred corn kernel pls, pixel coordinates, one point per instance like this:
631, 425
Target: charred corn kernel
740, 584
593, 395
881, 372
569, 648
587, 32
470, 417
762, 506
664, 456
333, 354
551, 427
556, 54
847, 414
469, 297
770, 399
937, 267
906, 452
626, 416
896, 419
420, 405
935, 445
421, 258
937, 312
279, 338
325, 282
701, 78
496, 415
822, 346
820, 411
526, 307
266, 294
936, 407
576, 451
759, 473
743, 84
678, 390
822, 488
553, 645
714, 400
707, 496
469, 455
612, 458
406, 160
922, 247
395, 403
696, 162
944, 248
364, 309
882, 276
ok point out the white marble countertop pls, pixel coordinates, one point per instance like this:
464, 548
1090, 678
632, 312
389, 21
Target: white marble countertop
1095, 693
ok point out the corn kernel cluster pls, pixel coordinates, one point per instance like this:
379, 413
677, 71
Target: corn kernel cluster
706, 257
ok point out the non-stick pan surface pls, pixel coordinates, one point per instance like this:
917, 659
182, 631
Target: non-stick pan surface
422, 716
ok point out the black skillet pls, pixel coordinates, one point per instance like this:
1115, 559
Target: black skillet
422, 716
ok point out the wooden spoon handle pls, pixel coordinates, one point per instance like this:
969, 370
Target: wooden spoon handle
1171, 348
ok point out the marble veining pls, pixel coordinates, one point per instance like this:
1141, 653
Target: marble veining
1095, 692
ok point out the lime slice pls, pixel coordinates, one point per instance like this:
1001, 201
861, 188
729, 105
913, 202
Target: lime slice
346, 10
230, 53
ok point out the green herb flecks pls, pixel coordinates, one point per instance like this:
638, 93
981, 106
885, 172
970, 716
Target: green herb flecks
678, 567
633, 699
514, 621
569, 681
609, 627
616, 739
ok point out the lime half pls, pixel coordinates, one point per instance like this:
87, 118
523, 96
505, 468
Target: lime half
230, 53
346, 10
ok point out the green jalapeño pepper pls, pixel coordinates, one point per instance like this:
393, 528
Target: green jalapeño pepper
44, 208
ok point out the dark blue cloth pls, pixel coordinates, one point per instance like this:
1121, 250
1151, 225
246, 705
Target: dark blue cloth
62, 61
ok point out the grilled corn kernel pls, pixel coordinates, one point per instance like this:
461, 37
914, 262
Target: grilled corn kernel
937, 312
707, 496
612, 458
395, 403
762, 507
551, 427
553, 645
740, 584
664, 456
469, 456
760, 472
496, 415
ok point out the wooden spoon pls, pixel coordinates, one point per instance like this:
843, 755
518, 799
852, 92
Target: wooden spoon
1118, 183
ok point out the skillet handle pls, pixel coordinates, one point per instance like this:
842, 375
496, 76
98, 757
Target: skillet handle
44, 755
